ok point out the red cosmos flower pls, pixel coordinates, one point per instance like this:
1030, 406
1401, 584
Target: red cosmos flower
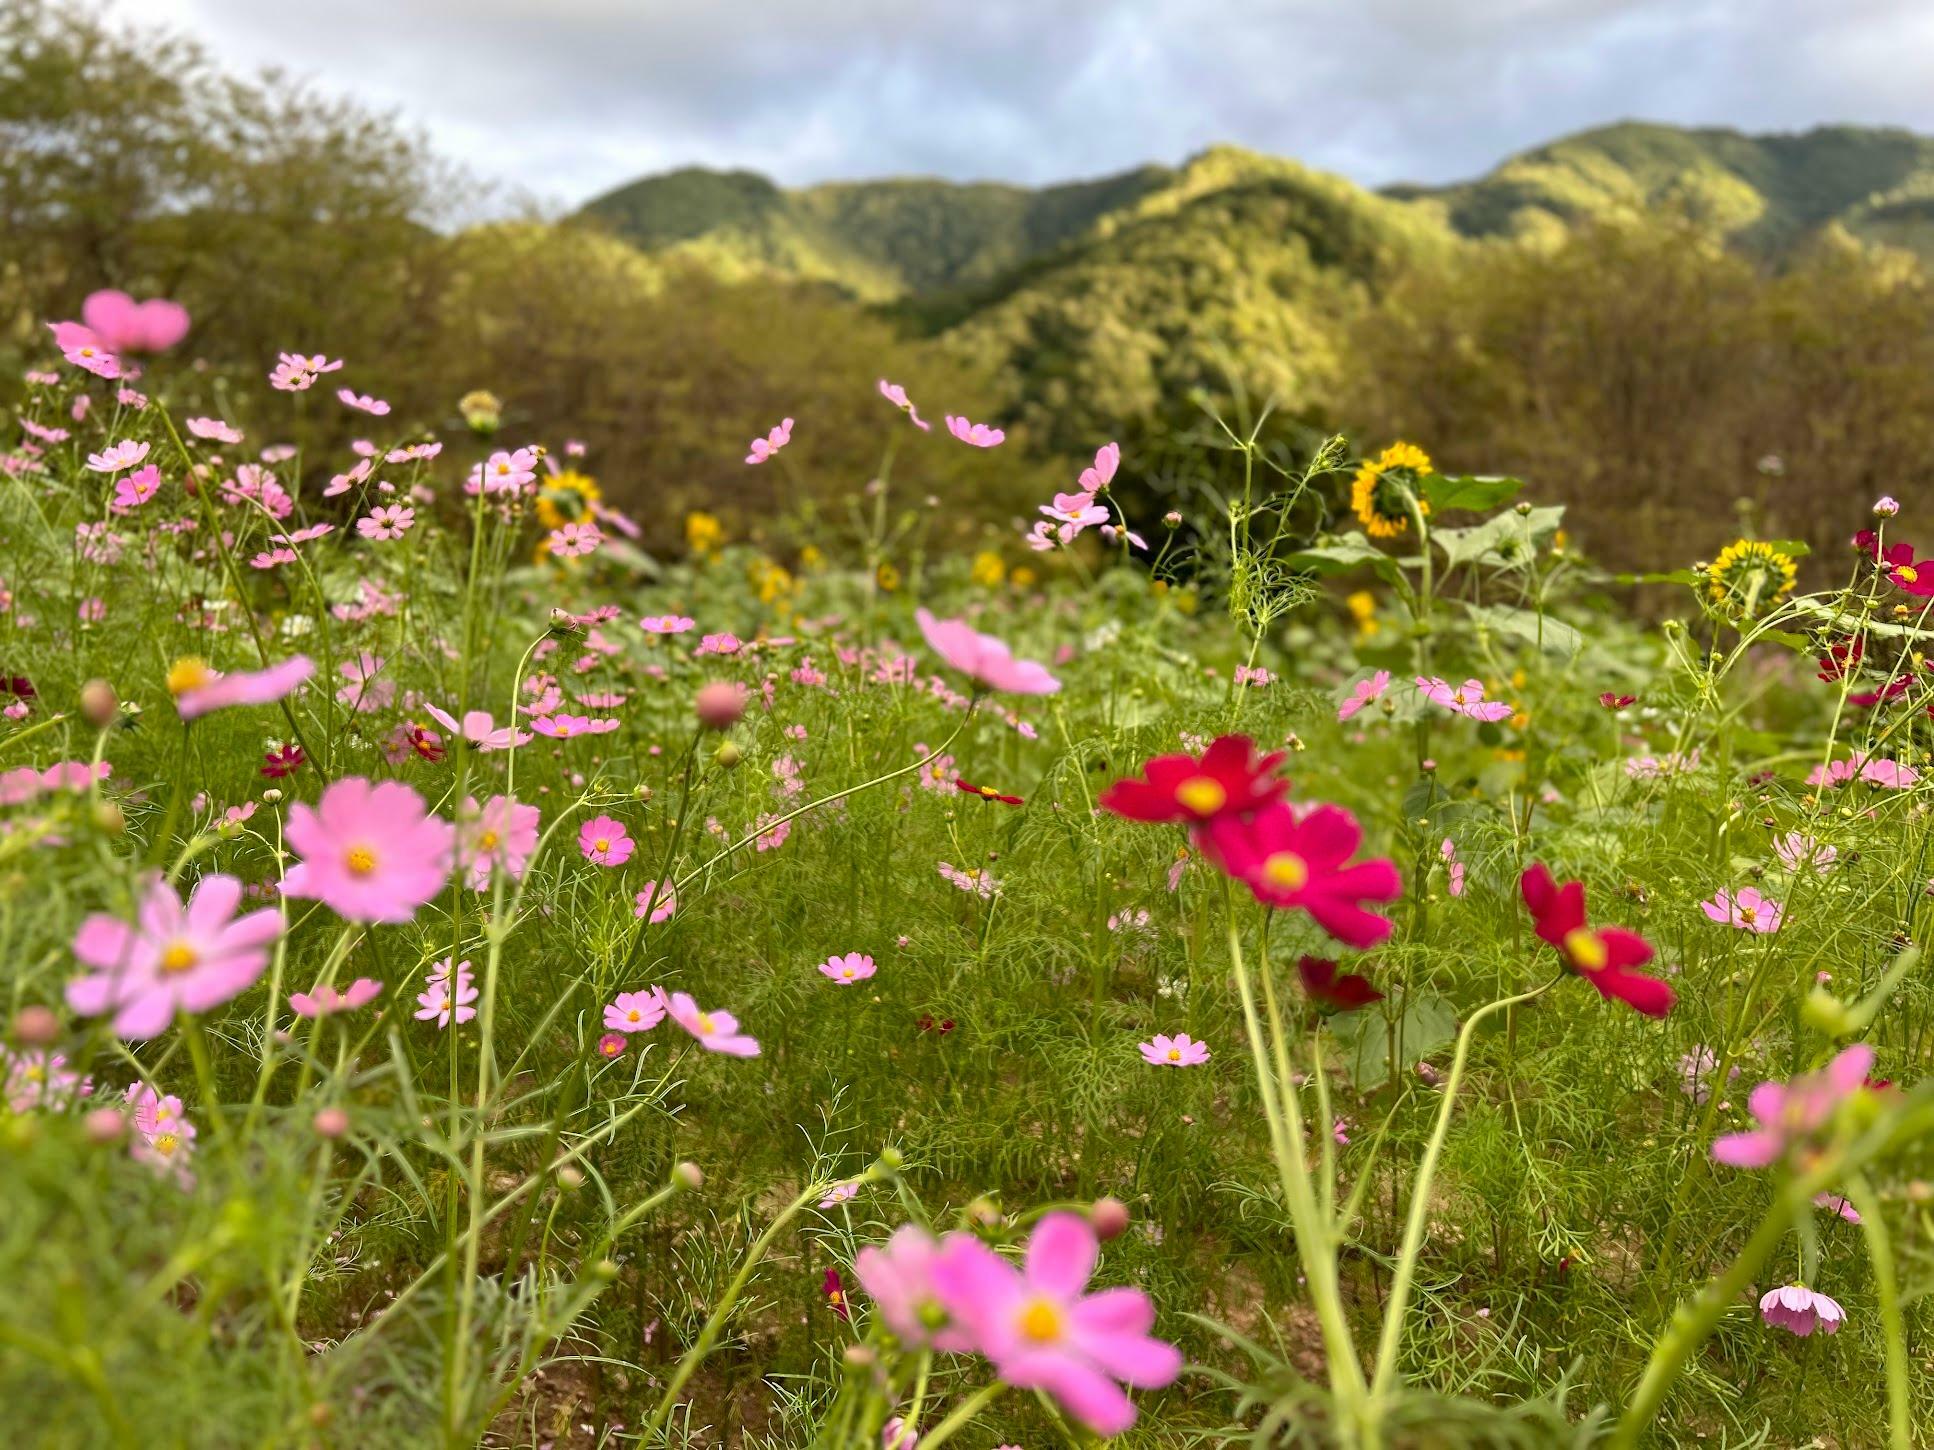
1291, 863
1330, 991
928, 1024
1605, 956
1229, 780
834, 1288
426, 743
986, 793
1867, 699
1868, 542
1617, 702
284, 761
1842, 657
17, 685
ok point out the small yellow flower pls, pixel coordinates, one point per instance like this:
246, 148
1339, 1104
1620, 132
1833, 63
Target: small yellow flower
1022, 577
703, 533
988, 571
771, 581
888, 577
566, 498
482, 411
1381, 494
1363, 609
188, 673
811, 559
1749, 575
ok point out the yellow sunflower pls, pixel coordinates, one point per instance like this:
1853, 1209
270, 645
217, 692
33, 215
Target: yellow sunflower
703, 532
1383, 487
566, 498
1749, 575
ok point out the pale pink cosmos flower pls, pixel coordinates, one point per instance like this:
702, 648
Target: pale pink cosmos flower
1837, 1204
972, 880
840, 1193
1800, 1310
1363, 693
719, 644
371, 852
164, 1139
295, 373
125, 326
898, 1278
844, 971
448, 994
771, 832
1077, 511
1465, 699
502, 834
480, 730
214, 430
1453, 868
212, 691
764, 448
1798, 852
635, 1011
1107, 460
574, 540
272, 558
1890, 775
36, 1078
659, 899
1180, 1050
1043, 1330
323, 1000
714, 1031
506, 472
136, 489
1790, 1114
566, 727
984, 659
117, 456
1747, 910
174, 958
362, 402
897, 395
84, 349
978, 434
605, 841
664, 624
365, 693
386, 521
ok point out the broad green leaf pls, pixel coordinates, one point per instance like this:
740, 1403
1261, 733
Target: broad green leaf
1474, 492
1425, 1024
1538, 630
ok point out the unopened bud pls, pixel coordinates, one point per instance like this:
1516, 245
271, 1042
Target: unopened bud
99, 705
1886, 506
104, 1125
728, 755
688, 1175
720, 704
332, 1122
570, 1176
35, 1026
1109, 1218
109, 818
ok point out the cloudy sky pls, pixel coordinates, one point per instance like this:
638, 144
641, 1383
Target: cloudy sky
561, 99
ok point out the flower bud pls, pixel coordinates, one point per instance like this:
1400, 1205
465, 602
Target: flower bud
1109, 1218
35, 1026
332, 1122
1886, 506
99, 705
720, 704
728, 755
104, 1125
570, 1176
688, 1175
1173, 518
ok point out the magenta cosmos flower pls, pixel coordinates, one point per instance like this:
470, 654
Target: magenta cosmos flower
503, 834
1747, 910
126, 326
1465, 699
480, 730
605, 841
635, 1011
899, 1280
845, 971
657, 898
370, 852
1800, 1310
198, 689
764, 448
323, 1000
983, 658
1790, 1114
1043, 1330
715, 1031
172, 958
1363, 694
980, 435
1180, 1050
1289, 863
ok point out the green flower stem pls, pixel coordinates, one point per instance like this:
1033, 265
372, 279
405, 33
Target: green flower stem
964, 1413
1893, 1328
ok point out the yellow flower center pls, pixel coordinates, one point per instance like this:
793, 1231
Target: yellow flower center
1202, 795
34, 1072
1041, 1322
705, 1024
1175, 1054
603, 843
1586, 949
989, 791
1286, 871
360, 860
488, 840
634, 1015
1748, 915
188, 673
1907, 573
165, 1144
178, 957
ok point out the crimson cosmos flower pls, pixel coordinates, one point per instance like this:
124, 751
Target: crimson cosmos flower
1617, 702
986, 793
1306, 863
1230, 780
1603, 956
835, 1291
286, 760
1330, 991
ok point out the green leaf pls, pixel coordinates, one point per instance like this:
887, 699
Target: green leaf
1426, 1024
1345, 553
1541, 631
1474, 492
1503, 540
1677, 576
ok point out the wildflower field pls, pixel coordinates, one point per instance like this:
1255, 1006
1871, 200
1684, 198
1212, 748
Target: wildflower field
1319, 967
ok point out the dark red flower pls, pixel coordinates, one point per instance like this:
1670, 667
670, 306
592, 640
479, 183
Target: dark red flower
426, 743
834, 1288
1617, 702
928, 1024
1867, 699
1305, 863
1331, 991
1230, 780
286, 760
1842, 657
1604, 956
1868, 542
986, 793
17, 685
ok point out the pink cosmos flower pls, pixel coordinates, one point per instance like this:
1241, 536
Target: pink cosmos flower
978, 434
1790, 1114
125, 326
323, 1000
605, 841
507, 472
273, 559
117, 457
173, 958
635, 1011
384, 522
502, 835
1800, 1310
479, 729
845, 971
575, 539
1043, 1330
136, 489
657, 898
448, 995
371, 852
1837, 1204
1180, 1050
214, 430
294, 373
719, 644
664, 624
1107, 460
1747, 910
983, 658
764, 448
362, 402
898, 1278
1465, 699
1364, 693
1077, 511
206, 690
36, 1078
897, 395
84, 349
365, 693
714, 1031
568, 727
1453, 868
1798, 852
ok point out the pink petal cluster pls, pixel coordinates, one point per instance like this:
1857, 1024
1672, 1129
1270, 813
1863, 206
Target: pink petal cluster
604, 841
897, 395
844, 971
1364, 692
982, 658
1180, 1050
501, 835
480, 730
714, 1031
1465, 699
370, 852
1791, 1114
764, 448
448, 994
214, 691
1800, 1310
635, 1011
1748, 910
980, 435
